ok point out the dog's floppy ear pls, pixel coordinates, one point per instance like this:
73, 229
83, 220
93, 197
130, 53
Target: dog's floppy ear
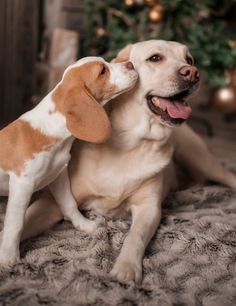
85, 117
123, 55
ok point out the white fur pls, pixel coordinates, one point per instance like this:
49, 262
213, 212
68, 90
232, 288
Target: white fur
44, 118
116, 76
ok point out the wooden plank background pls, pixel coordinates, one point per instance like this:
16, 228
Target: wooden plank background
18, 48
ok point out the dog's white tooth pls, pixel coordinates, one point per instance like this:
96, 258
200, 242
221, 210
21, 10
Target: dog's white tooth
155, 101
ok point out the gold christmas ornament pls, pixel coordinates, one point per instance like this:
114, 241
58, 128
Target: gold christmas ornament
129, 3
156, 13
100, 31
224, 99
150, 2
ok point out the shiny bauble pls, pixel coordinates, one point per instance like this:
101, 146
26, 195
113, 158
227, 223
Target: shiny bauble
156, 14
100, 31
224, 99
129, 3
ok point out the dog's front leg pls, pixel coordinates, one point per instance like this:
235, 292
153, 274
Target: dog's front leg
62, 193
19, 197
146, 215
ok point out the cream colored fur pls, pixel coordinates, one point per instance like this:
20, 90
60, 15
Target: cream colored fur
133, 171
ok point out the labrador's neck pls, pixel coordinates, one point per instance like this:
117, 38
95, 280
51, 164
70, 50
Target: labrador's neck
133, 122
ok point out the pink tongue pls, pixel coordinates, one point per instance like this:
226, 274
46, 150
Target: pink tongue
175, 109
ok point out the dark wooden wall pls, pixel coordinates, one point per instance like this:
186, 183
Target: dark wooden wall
18, 49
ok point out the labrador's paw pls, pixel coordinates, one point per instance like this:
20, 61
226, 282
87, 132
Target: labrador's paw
88, 226
126, 271
8, 258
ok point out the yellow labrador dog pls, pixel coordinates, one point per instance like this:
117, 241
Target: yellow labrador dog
132, 172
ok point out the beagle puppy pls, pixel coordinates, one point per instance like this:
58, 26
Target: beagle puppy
35, 149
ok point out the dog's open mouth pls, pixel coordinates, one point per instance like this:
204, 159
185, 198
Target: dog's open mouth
172, 109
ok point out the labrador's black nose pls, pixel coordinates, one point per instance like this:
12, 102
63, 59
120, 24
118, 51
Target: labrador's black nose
189, 73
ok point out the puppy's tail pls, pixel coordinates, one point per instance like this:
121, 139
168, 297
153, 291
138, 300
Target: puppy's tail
41, 216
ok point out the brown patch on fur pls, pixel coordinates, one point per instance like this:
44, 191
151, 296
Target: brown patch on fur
85, 77
19, 142
78, 98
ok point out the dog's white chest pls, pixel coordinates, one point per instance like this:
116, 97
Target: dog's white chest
46, 165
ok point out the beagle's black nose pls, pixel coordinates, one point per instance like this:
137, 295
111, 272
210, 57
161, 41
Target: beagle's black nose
189, 73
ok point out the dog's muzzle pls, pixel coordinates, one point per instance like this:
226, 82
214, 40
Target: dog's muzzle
174, 109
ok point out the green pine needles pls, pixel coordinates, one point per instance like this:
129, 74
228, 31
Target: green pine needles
204, 25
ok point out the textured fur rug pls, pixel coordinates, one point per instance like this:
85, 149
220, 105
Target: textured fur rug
190, 261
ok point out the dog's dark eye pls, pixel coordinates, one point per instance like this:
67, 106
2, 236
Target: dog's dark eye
103, 71
189, 60
155, 58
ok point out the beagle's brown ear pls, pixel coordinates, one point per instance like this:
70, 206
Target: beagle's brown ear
85, 117
123, 55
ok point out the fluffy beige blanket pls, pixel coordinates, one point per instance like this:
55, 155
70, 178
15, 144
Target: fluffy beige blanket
190, 261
